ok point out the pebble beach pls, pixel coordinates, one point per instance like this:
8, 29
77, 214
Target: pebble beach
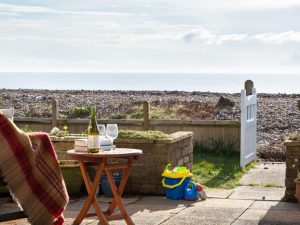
277, 114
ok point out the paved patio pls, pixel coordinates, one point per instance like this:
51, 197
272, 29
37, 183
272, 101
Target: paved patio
242, 205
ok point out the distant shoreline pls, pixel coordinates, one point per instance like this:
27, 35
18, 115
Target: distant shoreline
262, 94
203, 82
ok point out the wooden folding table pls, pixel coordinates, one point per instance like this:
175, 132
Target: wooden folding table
103, 161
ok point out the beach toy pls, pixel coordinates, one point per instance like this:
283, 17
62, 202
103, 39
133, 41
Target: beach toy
175, 181
190, 193
201, 192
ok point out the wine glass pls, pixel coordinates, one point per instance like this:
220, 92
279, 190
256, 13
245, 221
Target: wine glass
112, 131
101, 128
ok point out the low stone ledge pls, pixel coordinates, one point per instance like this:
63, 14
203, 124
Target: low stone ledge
178, 136
205, 123
66, 138
133, 140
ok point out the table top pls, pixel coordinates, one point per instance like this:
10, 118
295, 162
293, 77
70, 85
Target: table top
118, 152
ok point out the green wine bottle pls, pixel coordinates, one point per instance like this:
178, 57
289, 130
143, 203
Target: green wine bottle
93, 144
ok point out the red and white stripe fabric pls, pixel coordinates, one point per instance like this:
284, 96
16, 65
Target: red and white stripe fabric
29, 165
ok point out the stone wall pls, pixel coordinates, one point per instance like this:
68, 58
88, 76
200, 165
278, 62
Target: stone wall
145, 177
63, 144
292, 168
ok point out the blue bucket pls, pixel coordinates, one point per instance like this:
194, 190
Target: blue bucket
105, 184
173, 190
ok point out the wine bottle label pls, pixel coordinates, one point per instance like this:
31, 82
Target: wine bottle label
93, 141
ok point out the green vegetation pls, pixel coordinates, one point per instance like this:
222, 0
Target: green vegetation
218, 165
295, 136
62, 116
185, 111
79, 112
38, 109
26, 129
138, 114
217, 146
118, 116
152, 135
264, 185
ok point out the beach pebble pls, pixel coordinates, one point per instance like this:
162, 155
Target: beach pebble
277, 114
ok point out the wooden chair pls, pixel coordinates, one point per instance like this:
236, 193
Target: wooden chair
18, 214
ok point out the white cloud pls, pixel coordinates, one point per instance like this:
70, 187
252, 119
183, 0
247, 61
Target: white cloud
209, 38
37, 9
232, 37
278, 38
143, 35
295, 59
11, 8
22, 8
233, 5
10, 14
203, 4
26, 23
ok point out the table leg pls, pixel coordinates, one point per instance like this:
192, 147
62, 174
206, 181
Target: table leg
117, 194
122, 185
91, 194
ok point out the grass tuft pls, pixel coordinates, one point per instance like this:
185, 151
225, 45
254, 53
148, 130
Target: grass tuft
79, 112
217, 164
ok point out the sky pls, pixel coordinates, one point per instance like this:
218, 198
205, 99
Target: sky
196, 36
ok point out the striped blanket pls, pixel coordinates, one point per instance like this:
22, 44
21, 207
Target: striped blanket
28, 163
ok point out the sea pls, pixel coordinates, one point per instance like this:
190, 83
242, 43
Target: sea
203, 82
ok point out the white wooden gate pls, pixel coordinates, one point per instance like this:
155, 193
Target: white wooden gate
248, 127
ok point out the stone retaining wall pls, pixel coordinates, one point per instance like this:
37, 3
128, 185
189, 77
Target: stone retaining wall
292, 168
145, 177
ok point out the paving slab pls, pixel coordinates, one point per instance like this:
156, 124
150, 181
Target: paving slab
161, 200
218, 193
126, 200
224, 203
211, 211
150, 214
16, 222
88, 221
276, 206
258, 193
254, 222
269, 213
151, 210
265, 174
146, 210
276, 216
77, 206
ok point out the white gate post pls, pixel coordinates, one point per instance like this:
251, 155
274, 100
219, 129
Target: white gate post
248, 127
243, 130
